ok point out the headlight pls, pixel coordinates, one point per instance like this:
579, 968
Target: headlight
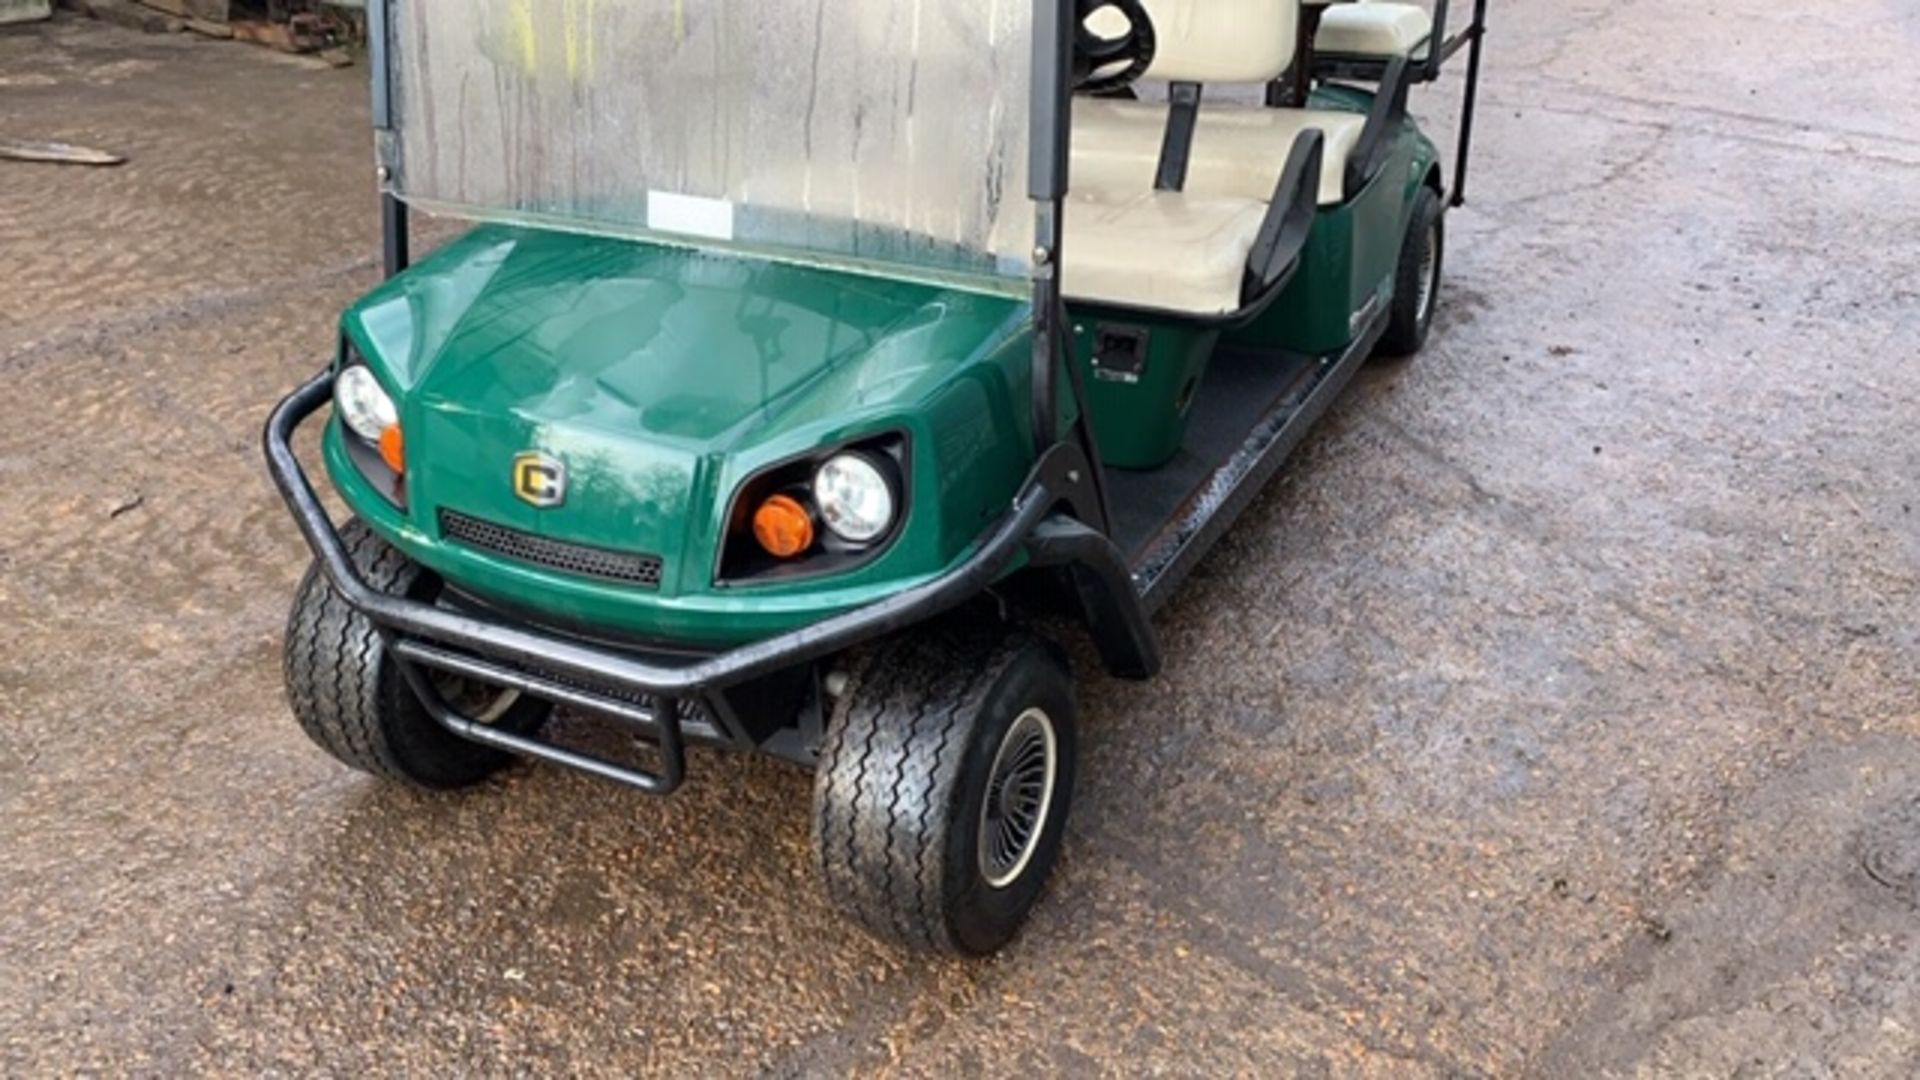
854, 497
363, 405
828, 512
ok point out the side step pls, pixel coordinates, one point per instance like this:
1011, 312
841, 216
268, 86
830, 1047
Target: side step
1166, 559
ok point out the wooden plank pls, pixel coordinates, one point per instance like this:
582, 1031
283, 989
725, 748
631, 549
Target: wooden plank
303, 33
58, 153
272, 35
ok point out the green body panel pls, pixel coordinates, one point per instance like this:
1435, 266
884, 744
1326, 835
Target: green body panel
1351, 255
1139, 422
663, 378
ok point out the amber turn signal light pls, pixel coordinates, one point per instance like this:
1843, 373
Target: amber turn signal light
783, 527
393, 448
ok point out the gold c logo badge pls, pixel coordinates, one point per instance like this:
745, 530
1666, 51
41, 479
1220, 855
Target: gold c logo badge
539, 479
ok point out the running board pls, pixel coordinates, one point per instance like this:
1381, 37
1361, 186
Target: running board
1218, 501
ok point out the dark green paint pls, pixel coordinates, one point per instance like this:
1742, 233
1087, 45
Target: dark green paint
1352, 252
1140, 425
664, 377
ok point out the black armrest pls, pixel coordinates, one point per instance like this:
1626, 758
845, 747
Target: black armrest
1383, 120
1282, 236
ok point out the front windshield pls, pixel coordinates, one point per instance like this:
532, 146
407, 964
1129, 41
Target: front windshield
889, 134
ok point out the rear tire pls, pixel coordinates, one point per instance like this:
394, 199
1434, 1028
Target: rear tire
1416, 283
943, 790
351, 699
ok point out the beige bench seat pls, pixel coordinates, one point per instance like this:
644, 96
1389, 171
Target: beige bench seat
1167, 250
1188, 251
1238, 150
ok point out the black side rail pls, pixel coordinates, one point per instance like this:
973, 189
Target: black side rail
1437, 57
1375, 144
1290, 215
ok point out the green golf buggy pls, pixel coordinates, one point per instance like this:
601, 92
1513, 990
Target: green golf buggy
804, 362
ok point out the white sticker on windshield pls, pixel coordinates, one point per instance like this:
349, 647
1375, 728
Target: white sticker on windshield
690, 215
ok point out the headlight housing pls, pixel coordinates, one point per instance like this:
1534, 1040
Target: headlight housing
364, 407
855, 494
855, 497
370, 426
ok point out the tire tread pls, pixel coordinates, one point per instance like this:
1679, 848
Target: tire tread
882, 813
1406, 332
351, 702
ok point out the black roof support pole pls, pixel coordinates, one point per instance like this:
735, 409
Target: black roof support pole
393, 233
1049, 143
393, 212
1479, 32
1047, 186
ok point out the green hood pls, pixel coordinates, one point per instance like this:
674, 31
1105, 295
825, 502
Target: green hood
660, 376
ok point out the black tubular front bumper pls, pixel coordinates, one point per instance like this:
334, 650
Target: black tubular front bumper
522, 658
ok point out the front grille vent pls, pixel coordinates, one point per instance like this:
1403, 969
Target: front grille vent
593, 562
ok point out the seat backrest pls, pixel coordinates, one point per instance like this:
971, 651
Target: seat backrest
1222, 41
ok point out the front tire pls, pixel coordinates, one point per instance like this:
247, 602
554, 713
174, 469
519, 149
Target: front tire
351, 699
943, 790
1416, 283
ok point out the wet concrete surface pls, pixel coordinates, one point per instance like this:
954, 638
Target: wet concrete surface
1555, 713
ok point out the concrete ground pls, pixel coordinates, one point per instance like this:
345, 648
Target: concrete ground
1556, 713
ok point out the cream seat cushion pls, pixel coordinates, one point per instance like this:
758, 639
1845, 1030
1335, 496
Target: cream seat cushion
1373, 29
1238, 150
1170, 250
